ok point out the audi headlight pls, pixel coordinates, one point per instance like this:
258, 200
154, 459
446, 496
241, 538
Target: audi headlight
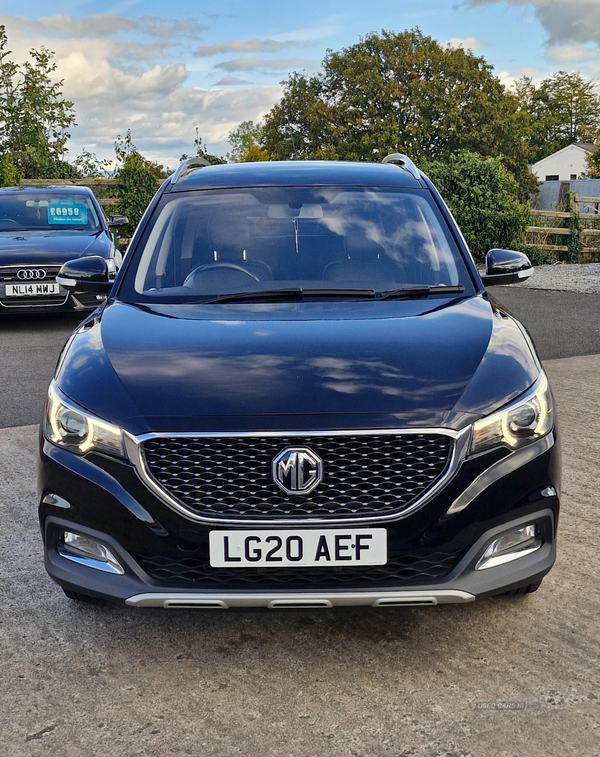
70, 426
526, 420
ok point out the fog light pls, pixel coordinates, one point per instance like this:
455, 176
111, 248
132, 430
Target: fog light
88, 551
510, 546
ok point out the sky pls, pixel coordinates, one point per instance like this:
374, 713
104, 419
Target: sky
164, 69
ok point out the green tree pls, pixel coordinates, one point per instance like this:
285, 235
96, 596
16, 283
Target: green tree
89, 165
9, 174
139, 180
35, 118
565, 108
398, 92
484, 198
246, 142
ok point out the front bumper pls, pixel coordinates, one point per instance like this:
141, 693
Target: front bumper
62, 303
465, 584
106, 500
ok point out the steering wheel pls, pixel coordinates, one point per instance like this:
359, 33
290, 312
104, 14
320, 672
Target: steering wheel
215, 266
9, 220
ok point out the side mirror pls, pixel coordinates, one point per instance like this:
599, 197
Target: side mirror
115, 221
506, 267
88, 274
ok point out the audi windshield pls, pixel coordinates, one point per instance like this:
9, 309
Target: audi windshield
47, 212
325, 240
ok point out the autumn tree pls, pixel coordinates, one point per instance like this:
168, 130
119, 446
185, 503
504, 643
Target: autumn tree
398, 93
246, 142
563, 109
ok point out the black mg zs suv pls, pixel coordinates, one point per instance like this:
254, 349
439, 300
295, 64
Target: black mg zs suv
298, 394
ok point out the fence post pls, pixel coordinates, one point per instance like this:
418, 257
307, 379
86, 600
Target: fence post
574, 202
573, 253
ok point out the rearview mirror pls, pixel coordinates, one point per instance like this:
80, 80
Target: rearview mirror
115, 221
88, 274
506, 267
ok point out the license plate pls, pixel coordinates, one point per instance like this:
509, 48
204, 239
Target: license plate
31, 290
289, 548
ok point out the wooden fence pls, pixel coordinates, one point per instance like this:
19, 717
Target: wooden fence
95, 182
539, 236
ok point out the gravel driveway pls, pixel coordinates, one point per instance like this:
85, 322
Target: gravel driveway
567, 278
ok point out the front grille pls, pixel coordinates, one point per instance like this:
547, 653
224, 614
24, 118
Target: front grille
8, 274
364, 476
405, 570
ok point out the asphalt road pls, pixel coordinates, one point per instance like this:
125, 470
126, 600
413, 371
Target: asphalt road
29, 348
563, 324
510, 677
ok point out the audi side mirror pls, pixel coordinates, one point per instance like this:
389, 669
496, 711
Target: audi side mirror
506, 267
115, 221
87, 274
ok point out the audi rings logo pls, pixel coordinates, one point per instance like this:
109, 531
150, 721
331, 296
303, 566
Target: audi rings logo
31, 274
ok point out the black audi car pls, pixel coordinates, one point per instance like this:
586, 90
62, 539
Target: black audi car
298, 394
42, 228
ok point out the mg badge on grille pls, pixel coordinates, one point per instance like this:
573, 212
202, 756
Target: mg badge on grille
297, 470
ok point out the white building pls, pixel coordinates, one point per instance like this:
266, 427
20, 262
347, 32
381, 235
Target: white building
565, 165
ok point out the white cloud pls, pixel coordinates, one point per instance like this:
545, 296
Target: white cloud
250, 64
563, 20
164, 126
247, 46
230, 81
154, 100
536, 74
573, 21
88, 77
572, 53
103, 26
468, 43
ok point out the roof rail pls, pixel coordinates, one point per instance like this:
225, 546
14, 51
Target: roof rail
403, 160
187, 167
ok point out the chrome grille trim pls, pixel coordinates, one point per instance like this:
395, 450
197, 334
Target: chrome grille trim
134, 447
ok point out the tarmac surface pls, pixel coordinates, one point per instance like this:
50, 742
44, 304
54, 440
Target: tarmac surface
498, 677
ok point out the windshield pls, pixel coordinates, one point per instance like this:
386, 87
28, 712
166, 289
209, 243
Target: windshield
214, 242
47, 211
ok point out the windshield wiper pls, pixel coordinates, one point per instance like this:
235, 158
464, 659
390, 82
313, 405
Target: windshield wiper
408, 293
296, 293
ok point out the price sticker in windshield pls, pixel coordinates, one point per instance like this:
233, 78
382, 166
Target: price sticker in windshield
72, 215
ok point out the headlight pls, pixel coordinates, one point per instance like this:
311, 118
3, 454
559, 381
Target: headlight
524, 421
69, 426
